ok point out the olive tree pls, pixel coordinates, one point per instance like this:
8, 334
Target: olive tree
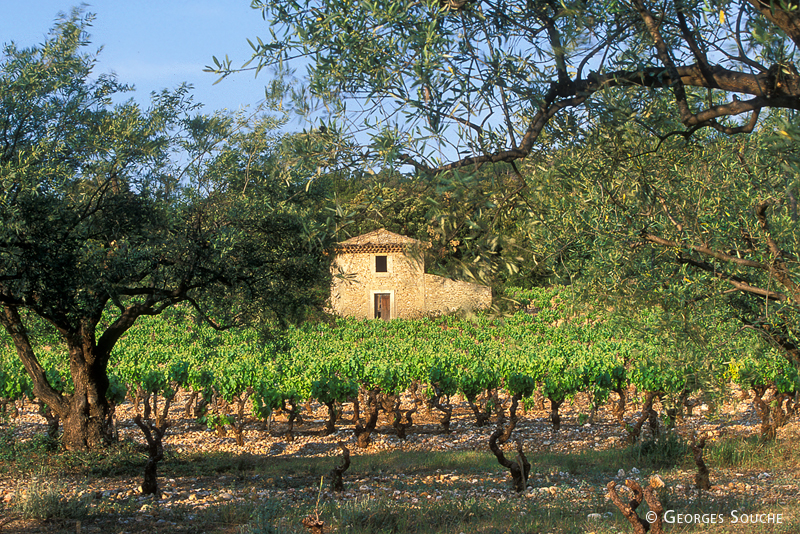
443, 84
112, 212
703, 229
452, 85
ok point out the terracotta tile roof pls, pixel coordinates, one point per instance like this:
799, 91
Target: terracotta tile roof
381, 240
380, 237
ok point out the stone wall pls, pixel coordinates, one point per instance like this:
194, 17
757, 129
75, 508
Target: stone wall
443, 295
358, 277
356, 282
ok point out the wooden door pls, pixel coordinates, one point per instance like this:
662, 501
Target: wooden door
383, 306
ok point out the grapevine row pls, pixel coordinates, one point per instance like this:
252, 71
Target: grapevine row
232, 373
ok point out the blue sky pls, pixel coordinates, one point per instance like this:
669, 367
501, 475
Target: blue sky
157, 44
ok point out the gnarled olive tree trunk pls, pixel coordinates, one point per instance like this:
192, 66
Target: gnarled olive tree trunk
84, 413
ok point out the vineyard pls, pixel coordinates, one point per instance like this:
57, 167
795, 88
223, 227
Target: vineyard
490, 368
548, 350
167, 363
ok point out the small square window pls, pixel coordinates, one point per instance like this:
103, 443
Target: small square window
381, 265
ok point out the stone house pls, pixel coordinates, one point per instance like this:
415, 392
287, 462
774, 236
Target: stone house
381, 275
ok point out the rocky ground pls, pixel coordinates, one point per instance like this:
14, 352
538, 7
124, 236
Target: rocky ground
186, 501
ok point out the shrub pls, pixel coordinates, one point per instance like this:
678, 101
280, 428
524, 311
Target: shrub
43, 499
666, 451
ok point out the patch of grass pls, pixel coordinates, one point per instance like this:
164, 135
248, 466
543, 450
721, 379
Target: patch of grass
23, 456
190, 464
411, 463
233, 513
588, 464
125, 458
753, 453
668, 450
264, 519
381, 516
487, 516
741, 453
8, 440
44, 443
46, 499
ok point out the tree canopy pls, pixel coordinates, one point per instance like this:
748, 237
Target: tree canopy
705, 228
112, 212
441, 84
613, 117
